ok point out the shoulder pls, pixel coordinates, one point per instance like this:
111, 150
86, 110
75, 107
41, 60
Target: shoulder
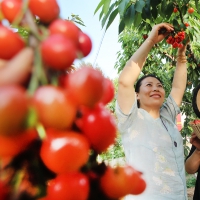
170, 109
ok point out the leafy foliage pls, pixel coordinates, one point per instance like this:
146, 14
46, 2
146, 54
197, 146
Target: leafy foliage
191, 180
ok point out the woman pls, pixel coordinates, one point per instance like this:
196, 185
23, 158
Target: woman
192, 164
151, 140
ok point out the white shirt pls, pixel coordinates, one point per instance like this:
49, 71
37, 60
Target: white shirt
155, 147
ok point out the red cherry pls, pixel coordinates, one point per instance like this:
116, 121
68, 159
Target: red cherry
85, 44
190, 10
175, 10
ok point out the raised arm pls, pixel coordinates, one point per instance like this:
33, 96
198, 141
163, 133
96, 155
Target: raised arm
180, 76
132, 69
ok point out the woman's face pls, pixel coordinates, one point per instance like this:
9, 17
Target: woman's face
151, 93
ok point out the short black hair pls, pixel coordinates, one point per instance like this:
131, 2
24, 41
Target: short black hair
139, 82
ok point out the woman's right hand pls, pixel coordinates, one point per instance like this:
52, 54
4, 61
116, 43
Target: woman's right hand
159, 32
194, 140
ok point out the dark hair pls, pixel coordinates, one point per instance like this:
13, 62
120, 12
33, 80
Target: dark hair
139, 82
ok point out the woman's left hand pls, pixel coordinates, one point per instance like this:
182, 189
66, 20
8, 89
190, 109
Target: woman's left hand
182, 50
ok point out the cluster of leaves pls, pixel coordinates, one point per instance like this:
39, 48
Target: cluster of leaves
136, 21
115, 151
191, 180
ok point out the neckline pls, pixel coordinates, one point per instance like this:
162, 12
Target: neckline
150, 115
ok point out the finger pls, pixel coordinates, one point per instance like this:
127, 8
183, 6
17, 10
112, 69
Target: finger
182, 50
193, 136
2, 63
18, 68
168, 26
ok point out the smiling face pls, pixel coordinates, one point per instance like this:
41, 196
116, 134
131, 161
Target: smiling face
151, 93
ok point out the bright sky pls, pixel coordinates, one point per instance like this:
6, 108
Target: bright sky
108, 47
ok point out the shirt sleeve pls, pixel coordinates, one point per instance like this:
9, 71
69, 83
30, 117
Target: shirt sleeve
124, 120
170, 109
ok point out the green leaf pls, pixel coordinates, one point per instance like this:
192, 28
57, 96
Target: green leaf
129, 15
197, 6
101, 3
112, 17
121, 26
80, 23
196, 15
184, 9
175, 24
139, 6
160, 12
147, 11
106, 6
107, 15
169, 10
155, 3
138, 19
163, 6
101, 15
154, 13
182, 26
122, 7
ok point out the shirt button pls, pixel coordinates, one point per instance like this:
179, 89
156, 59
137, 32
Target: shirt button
175, 144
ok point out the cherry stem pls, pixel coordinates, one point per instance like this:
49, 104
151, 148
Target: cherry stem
38, 74
21, 14
33, 27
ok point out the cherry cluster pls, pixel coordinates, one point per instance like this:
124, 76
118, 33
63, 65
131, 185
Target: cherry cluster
176, 39
53, 117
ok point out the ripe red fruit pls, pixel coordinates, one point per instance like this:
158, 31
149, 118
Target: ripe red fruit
71, 186
139, 185
190, 10
53, 107
98, 125
66, 28
145, 36
4, 190
120, 181
85, 86
180, 45
196, 121
175, 10
64, 152
13, 109
85, 44
186, 24
46, 10
14, 144
109, 92
11, 9
58, 52
10, 43
175, 45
